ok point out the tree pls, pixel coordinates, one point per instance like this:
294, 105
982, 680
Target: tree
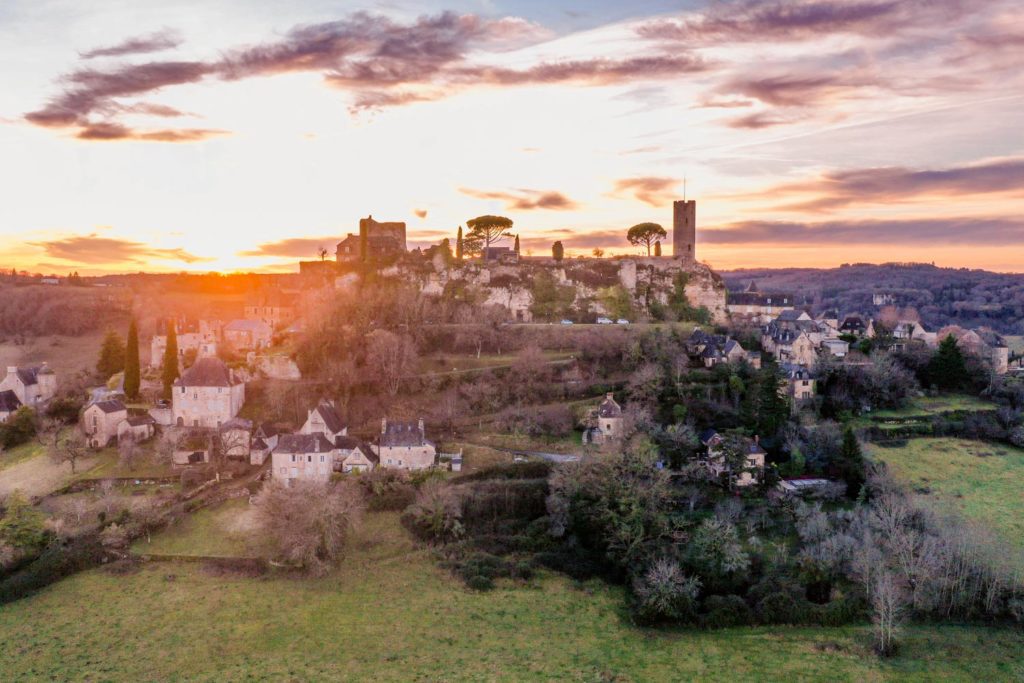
557, 251
391, 357
308, 523
132, 369
550, 300
111, 360
773, 405
657, 248
598, 252
19, 428
646, 234
851, 463
170, 366
617, 301
22, 526
127, 451
459, 245
487, 230
664, 593
515, 248
321, 251
948, 368
887, 603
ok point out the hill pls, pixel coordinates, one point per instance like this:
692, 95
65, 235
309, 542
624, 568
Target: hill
942, 296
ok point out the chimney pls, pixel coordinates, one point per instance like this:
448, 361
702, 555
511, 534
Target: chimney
423, 429
11, 370
609, 396
757, 439
383, 425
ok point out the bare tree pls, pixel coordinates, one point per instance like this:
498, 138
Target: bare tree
309, 523
127, 451
888, 610
391, 358
70, 450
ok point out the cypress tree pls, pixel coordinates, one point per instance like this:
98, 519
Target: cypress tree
111, 360
458, 245
657, 248
851, 463
772, 405
557, 251
170, 369
132, 371
947, 368
516, 247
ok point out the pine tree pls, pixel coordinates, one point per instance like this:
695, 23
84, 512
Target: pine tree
170, 369
772, 404
516, 247
458, 245
947, 368
132, 370
851, 463
657, 248
557, 251
111, 360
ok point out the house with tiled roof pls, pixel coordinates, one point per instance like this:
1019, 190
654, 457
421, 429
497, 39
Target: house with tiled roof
207, 395
100, 421
32, 385
9, 404
308, 457
139, 427
757, 306
325, 419
605, 422
404, 445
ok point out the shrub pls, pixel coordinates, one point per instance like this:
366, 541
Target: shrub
782, 608
519, 470
480, 582
724, 611
20, 428
664, 593
436, 515
387, 489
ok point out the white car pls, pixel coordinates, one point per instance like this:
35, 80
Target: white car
621, 321
604, 321
567, 322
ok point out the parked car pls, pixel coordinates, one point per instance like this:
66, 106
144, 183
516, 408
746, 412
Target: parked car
604, 321
621, 321
566, 321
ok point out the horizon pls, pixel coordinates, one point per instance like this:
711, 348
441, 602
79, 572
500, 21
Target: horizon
237, 137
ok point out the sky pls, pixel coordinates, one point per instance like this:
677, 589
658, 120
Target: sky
200, 135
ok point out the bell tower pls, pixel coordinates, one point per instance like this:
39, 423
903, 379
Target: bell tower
684, 230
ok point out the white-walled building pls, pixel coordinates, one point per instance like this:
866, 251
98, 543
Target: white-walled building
404, 445
32, 385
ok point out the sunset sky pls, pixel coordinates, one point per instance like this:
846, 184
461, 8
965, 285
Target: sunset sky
242, 134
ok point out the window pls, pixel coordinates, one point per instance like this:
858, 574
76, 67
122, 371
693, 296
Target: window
309, 458
321, 458
293, 457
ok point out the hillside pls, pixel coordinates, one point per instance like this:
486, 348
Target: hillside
942, 296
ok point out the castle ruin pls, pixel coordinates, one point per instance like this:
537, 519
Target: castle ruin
684, 230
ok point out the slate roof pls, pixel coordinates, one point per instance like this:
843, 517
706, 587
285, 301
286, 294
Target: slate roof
237, 423
303, 443
140, 420
753, 448
609, 408
402, 434
748, 298
111, 406
790, 316
9, 401
707, 435
329, 414
206, 372
259, 445
267, 430
28, 376
853, 323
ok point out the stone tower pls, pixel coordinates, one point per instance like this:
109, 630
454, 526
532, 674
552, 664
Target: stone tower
684, 230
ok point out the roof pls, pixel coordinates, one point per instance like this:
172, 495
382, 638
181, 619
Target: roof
140, 420
111, 406
790, 316
707, 435
303, 443
402, 434
347, 443
329, 414
237, 423
9, 401
248, 326
259, 445
267, 430
752, 287
609, 408
28, 376
206, 372
754, 448
748, 298
732, 345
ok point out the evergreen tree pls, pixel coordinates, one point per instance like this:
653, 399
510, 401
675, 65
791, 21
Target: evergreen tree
458, 245
657, 248
516, 247
132, 370
947, 368
111, 360
557, 251
170, 369
851, 463
773, 404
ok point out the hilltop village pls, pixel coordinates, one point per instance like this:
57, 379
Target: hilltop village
730, 458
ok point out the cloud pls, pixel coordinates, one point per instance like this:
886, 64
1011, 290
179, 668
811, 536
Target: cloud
93, 249
105, 131
762, 119
796, 90
295, 247
892, 184
526, 200
650, 190
985, 231
420, 213
572, 239
788, 20
154, 42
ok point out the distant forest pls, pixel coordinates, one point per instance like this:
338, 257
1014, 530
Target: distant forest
942, 296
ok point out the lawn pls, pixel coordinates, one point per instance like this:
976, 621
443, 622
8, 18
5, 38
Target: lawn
226, 530
20, 454
390, 614
465, 362
927, 406
981, 480
108, 465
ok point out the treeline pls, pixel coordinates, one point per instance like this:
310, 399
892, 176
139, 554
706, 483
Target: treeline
942, 296
42, 310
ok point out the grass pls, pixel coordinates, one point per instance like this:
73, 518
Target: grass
108, 465
226, 530
390, 614
477, 457
464, 362
927, 406
22, 453
980, 480
571, 443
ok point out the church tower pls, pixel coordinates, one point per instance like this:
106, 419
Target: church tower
684, 230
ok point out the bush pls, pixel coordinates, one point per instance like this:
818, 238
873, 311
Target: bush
724, 611
663, 593
782, 608
20, 428
387, 489
518, 470
436, 515
56, 561
480, 582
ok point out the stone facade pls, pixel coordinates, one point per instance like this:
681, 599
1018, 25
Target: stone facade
404, 445
203, 343
684, 230
100, 422
32, 385
248, 334
606, 424
208, 394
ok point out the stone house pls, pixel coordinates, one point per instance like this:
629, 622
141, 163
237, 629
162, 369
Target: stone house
753, 305
606, 423
273, 306
801, 385
204, 344
193, 448
716, 462
857, 326
236, 438
354, 455
308, 457
404, 445
381, 239
100, 421
32, 385
9, 404
324, 419
248, 334
140, 427
983, 343
208, 394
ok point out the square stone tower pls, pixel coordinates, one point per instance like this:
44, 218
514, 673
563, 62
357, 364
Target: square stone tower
684, 230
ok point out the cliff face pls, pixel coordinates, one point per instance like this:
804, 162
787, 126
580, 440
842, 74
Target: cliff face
647, 279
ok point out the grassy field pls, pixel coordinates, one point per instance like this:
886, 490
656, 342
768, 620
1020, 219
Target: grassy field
66, 355
107, 464
390, 614
927, 406
981, 480
226, 530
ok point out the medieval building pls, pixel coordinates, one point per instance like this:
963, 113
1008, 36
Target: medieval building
684, 230
375, 240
